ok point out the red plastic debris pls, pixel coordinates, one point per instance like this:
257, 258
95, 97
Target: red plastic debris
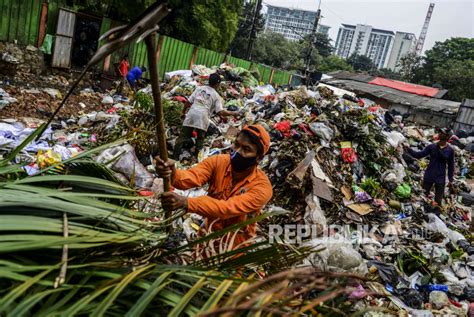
284, 127
349, 155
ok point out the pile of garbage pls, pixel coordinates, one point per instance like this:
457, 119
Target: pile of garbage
20, 59
337, 167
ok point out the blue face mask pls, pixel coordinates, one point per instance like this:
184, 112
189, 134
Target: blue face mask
240, 163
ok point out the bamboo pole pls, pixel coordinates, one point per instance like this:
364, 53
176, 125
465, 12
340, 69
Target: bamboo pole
159, 117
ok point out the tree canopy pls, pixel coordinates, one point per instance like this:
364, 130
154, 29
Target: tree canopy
239, 45
207, 23
360, 62
275, 50
333, 63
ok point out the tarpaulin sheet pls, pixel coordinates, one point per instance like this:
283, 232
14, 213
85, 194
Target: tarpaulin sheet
411, 88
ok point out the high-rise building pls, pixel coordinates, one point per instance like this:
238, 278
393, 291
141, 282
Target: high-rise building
403, 44
293, 24
365, 40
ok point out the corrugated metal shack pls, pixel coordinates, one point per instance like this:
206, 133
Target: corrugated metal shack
423, 110
465, 119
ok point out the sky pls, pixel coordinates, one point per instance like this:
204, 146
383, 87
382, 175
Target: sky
451, 18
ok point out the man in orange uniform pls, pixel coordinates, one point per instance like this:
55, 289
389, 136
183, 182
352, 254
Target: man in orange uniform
238, 189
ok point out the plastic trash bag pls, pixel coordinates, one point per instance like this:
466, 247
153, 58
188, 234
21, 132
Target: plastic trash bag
182, 73
322, 131
349, 155
107, 100
314, 215
394, 138
47, 158
437, 225
261, 92
403, 191
387, 272
47, 44
411, 297
125, 161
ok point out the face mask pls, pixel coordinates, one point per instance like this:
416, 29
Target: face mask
240, 163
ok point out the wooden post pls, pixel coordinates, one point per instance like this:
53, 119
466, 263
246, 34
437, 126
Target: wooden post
159, 117
289, 80
272, 72
42, 24
193, 57
106, 64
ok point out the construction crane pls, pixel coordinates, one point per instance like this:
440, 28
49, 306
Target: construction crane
424, 30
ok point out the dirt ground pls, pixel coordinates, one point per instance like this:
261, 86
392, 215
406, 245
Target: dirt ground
34, 102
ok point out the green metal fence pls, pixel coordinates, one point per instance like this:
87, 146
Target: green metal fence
265, 72
239, 62
281, 77
174, 55
19, 21
208, 57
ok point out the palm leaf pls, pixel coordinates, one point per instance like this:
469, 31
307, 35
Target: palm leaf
149, 295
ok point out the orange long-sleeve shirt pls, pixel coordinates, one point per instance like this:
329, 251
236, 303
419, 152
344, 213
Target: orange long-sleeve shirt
225, 204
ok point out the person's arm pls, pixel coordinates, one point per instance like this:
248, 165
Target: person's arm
219, 109
186, 107
185, 179
420, 154
451, 168
227, 113
190, 102
254, 199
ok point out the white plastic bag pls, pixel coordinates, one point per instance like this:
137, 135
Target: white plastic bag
394, 138
437, 225
322, 131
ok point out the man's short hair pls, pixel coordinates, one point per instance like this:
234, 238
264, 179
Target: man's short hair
214, 79
144, 69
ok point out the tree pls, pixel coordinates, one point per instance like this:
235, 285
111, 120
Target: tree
239, 44
275, 50
454, 49
322, 48
360, 62
208, 23
410, 67
386, 73
458, 77
333, 63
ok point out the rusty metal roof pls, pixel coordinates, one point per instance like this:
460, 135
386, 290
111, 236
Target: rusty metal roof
397, 96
